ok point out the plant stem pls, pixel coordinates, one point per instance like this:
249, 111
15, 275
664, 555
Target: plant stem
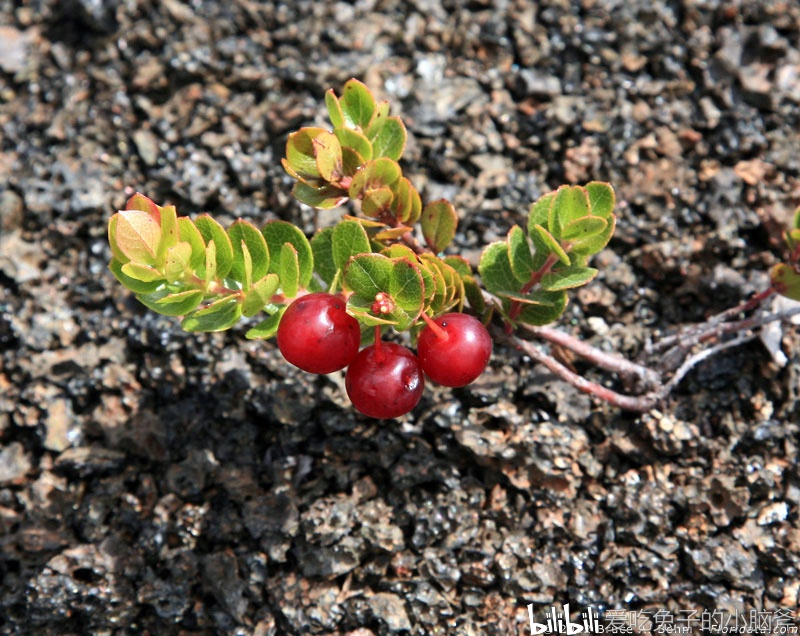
640, 374
434, 326
673, 365
639, 403
377, 345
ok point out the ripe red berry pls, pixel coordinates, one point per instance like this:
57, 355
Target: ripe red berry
317, 334
456, 351
385, 381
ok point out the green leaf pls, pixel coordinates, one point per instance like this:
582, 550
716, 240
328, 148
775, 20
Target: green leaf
209, 268
245, 232
334, 108
322, 248
786, 281
376, 201
349, 239
405, 286
390, 140
539, 212
474, 295
352, 162
220, 315
266, 328
549, 307
583, 229
570, 203
143, 273
171, 303
328, 154
132, 283
289, 270
567, 278
247, 262
406, 204
349, 138
594, 239
189, 233
796, 224
368, 275
449, 285
278, 233
177, 261
169, 231
519, 255
301, 159
432, 282
211, 230
323, 197
601, 199
378, 173
357, 104
545, 244
260, 294
439, 221
495, 269
459, 264
378, 119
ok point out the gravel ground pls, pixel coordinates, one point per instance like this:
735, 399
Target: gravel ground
156, 482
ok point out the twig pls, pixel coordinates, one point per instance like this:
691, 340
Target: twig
641, 374
654, 380
639, 403
697, 333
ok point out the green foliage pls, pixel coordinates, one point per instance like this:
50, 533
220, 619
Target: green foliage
196, 269
214, 277
530, 273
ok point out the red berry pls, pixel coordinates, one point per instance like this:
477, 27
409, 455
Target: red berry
317, 334
385, 381
456, 353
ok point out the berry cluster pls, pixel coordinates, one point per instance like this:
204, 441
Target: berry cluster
384, 380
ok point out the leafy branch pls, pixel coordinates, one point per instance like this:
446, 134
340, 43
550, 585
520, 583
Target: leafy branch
388, 260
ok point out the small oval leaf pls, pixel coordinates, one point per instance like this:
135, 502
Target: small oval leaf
220, 315
545, 244
390, 140
519, 254
567, 278
349, 239
245, 232
266, 328
495, 269
357, 104
276, 234
439, 221
211, 230
171, 303
136, 285
260, 295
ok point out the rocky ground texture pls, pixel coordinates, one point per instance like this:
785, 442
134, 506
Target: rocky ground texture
156, 482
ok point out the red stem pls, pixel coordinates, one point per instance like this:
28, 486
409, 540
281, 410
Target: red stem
640, 403
378, 349
435, 327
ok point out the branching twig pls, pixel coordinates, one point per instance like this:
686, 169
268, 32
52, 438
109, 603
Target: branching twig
624, 401
658, 382
642, 375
